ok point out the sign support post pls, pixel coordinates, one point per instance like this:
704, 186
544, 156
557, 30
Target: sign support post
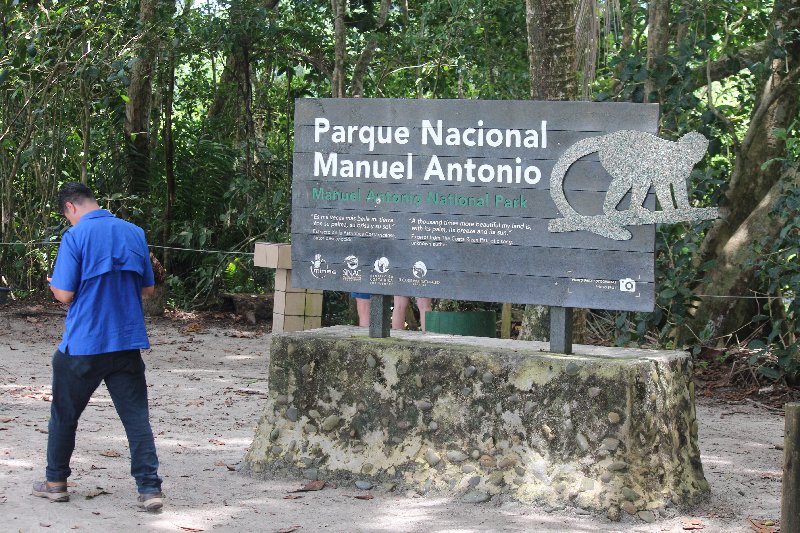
561, 330
380, 315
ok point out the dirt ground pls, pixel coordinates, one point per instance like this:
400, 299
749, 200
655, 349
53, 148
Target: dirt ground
208, 380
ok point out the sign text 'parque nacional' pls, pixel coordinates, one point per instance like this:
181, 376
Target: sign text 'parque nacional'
501, 201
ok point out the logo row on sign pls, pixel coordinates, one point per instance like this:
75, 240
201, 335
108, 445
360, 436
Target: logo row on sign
352, 271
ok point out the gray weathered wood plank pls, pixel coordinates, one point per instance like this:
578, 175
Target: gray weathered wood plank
588, 116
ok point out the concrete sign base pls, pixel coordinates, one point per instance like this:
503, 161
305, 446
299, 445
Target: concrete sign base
607, 429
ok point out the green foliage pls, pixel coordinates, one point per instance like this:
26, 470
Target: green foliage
65, 76
778, 266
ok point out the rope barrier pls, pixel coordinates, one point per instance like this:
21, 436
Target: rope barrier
50, 243
203, 251
223, 252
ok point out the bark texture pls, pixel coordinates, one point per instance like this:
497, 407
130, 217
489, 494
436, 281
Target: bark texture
139, 104
658, 34
752, 191
340, 47
551, 49
362, 64
551, 54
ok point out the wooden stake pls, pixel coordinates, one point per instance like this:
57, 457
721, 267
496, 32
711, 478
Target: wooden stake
505, 322
790, 507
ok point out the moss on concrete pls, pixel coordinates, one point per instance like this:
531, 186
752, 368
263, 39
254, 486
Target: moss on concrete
601, 429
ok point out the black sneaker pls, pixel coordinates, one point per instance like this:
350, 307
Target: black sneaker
151, 501
57, 493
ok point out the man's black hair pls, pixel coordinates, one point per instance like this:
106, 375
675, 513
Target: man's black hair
75, 193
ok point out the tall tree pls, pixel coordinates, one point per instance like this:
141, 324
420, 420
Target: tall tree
658, 39
755, 184
551, 49
338, 9
139, 103
231, 114
551, 54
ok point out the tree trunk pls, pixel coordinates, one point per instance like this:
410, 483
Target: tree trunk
551, 53
169, 156
657, 43
752, 191
535, 324
551, 49
362, 64
232, 104
732, 277
340, 47
138, 106
85, 124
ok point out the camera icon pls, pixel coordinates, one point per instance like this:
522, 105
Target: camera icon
627, 285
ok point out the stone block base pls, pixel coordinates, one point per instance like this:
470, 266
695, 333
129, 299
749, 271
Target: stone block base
604, 429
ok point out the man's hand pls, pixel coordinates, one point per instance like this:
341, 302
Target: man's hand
148, 291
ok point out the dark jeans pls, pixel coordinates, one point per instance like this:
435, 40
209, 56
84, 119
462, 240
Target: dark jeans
75, 378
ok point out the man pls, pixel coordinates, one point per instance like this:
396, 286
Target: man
102, 270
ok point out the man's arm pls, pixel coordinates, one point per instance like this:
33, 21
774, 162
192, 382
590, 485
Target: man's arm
148, 291
62, 296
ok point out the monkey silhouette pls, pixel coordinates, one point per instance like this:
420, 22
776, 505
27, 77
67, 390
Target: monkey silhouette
636, 160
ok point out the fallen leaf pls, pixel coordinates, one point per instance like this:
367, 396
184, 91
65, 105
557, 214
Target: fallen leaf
189, 528
33, 320
317, 484
6, 419
110, 453
95, 493
292, 497
193, 328
93, 467
231, 468
364, 497
288, 529
43, 524
694, 523
761, 527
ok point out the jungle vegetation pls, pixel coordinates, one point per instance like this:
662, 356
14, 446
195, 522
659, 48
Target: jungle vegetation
179, 114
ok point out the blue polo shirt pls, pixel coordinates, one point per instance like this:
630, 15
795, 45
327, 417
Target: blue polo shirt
105, 261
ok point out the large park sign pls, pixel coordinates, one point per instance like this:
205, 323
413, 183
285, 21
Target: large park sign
503, 201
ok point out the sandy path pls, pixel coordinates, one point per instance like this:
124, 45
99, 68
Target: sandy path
206, 390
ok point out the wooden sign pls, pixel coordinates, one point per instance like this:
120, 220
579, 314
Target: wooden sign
452, 199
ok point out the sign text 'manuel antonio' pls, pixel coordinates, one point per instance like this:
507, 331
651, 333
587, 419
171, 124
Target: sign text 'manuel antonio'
434, 134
